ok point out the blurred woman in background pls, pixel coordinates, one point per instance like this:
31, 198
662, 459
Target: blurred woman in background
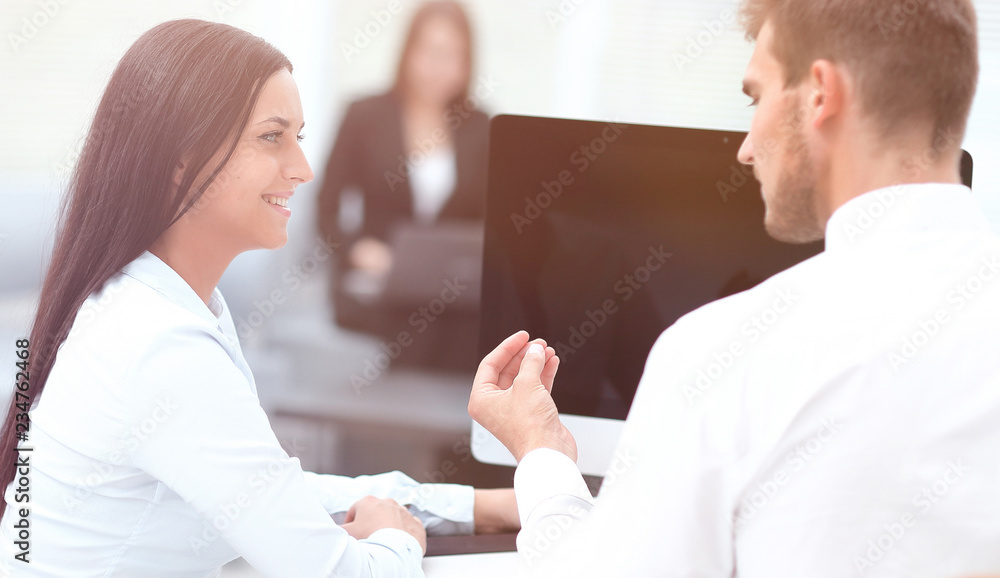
415, 154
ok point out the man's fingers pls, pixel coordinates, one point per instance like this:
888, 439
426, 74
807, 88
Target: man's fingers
532, 365
496, 360
549, 371
508, 373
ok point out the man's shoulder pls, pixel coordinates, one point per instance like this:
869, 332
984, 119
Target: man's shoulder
780, 291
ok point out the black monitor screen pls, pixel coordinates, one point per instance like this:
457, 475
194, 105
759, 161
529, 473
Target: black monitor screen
601, 235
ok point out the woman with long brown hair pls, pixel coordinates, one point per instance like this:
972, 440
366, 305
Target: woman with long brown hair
416, 153
147, 451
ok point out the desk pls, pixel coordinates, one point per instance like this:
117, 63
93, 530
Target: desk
491, 565
480, 556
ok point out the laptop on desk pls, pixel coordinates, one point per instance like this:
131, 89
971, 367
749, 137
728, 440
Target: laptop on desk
426, 258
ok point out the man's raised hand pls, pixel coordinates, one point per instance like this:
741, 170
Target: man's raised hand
512, 397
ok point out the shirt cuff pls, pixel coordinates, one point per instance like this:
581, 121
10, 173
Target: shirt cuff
547, 479
444, 509
401, 544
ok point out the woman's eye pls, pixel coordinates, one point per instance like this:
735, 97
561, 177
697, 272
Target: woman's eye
271, 137
300, 137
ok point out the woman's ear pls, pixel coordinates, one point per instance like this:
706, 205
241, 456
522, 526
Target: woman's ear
179, 172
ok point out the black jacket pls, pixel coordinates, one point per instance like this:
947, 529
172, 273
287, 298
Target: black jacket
369, 154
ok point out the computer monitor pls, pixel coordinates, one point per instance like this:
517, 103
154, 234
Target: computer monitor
600, 235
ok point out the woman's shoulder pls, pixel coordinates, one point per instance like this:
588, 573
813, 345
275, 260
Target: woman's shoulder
374, 106
127, 316
116, 329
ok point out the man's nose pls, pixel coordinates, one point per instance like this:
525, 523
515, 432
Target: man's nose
745, 155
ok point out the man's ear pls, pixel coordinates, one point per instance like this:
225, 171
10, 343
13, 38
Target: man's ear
828, 91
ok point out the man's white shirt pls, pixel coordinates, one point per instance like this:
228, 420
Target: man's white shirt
152, 456
842, 418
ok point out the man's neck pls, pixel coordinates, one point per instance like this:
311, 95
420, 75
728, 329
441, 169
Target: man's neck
858, 170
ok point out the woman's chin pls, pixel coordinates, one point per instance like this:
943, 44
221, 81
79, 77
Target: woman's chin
276, 241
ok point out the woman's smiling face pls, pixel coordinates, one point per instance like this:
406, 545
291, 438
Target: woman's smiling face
249, 203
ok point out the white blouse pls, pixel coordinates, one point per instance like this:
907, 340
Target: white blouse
432, 182
152, 456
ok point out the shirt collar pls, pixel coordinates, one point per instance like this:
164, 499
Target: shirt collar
904, 208
152, 271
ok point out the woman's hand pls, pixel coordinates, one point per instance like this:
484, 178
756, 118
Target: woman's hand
370, 514
511, 397
371, 255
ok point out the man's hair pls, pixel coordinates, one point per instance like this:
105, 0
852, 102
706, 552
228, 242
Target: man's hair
912, 60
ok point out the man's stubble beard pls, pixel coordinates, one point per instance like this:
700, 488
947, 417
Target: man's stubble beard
791, 213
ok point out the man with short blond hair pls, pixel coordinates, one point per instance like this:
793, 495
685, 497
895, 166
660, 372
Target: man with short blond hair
860, 434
